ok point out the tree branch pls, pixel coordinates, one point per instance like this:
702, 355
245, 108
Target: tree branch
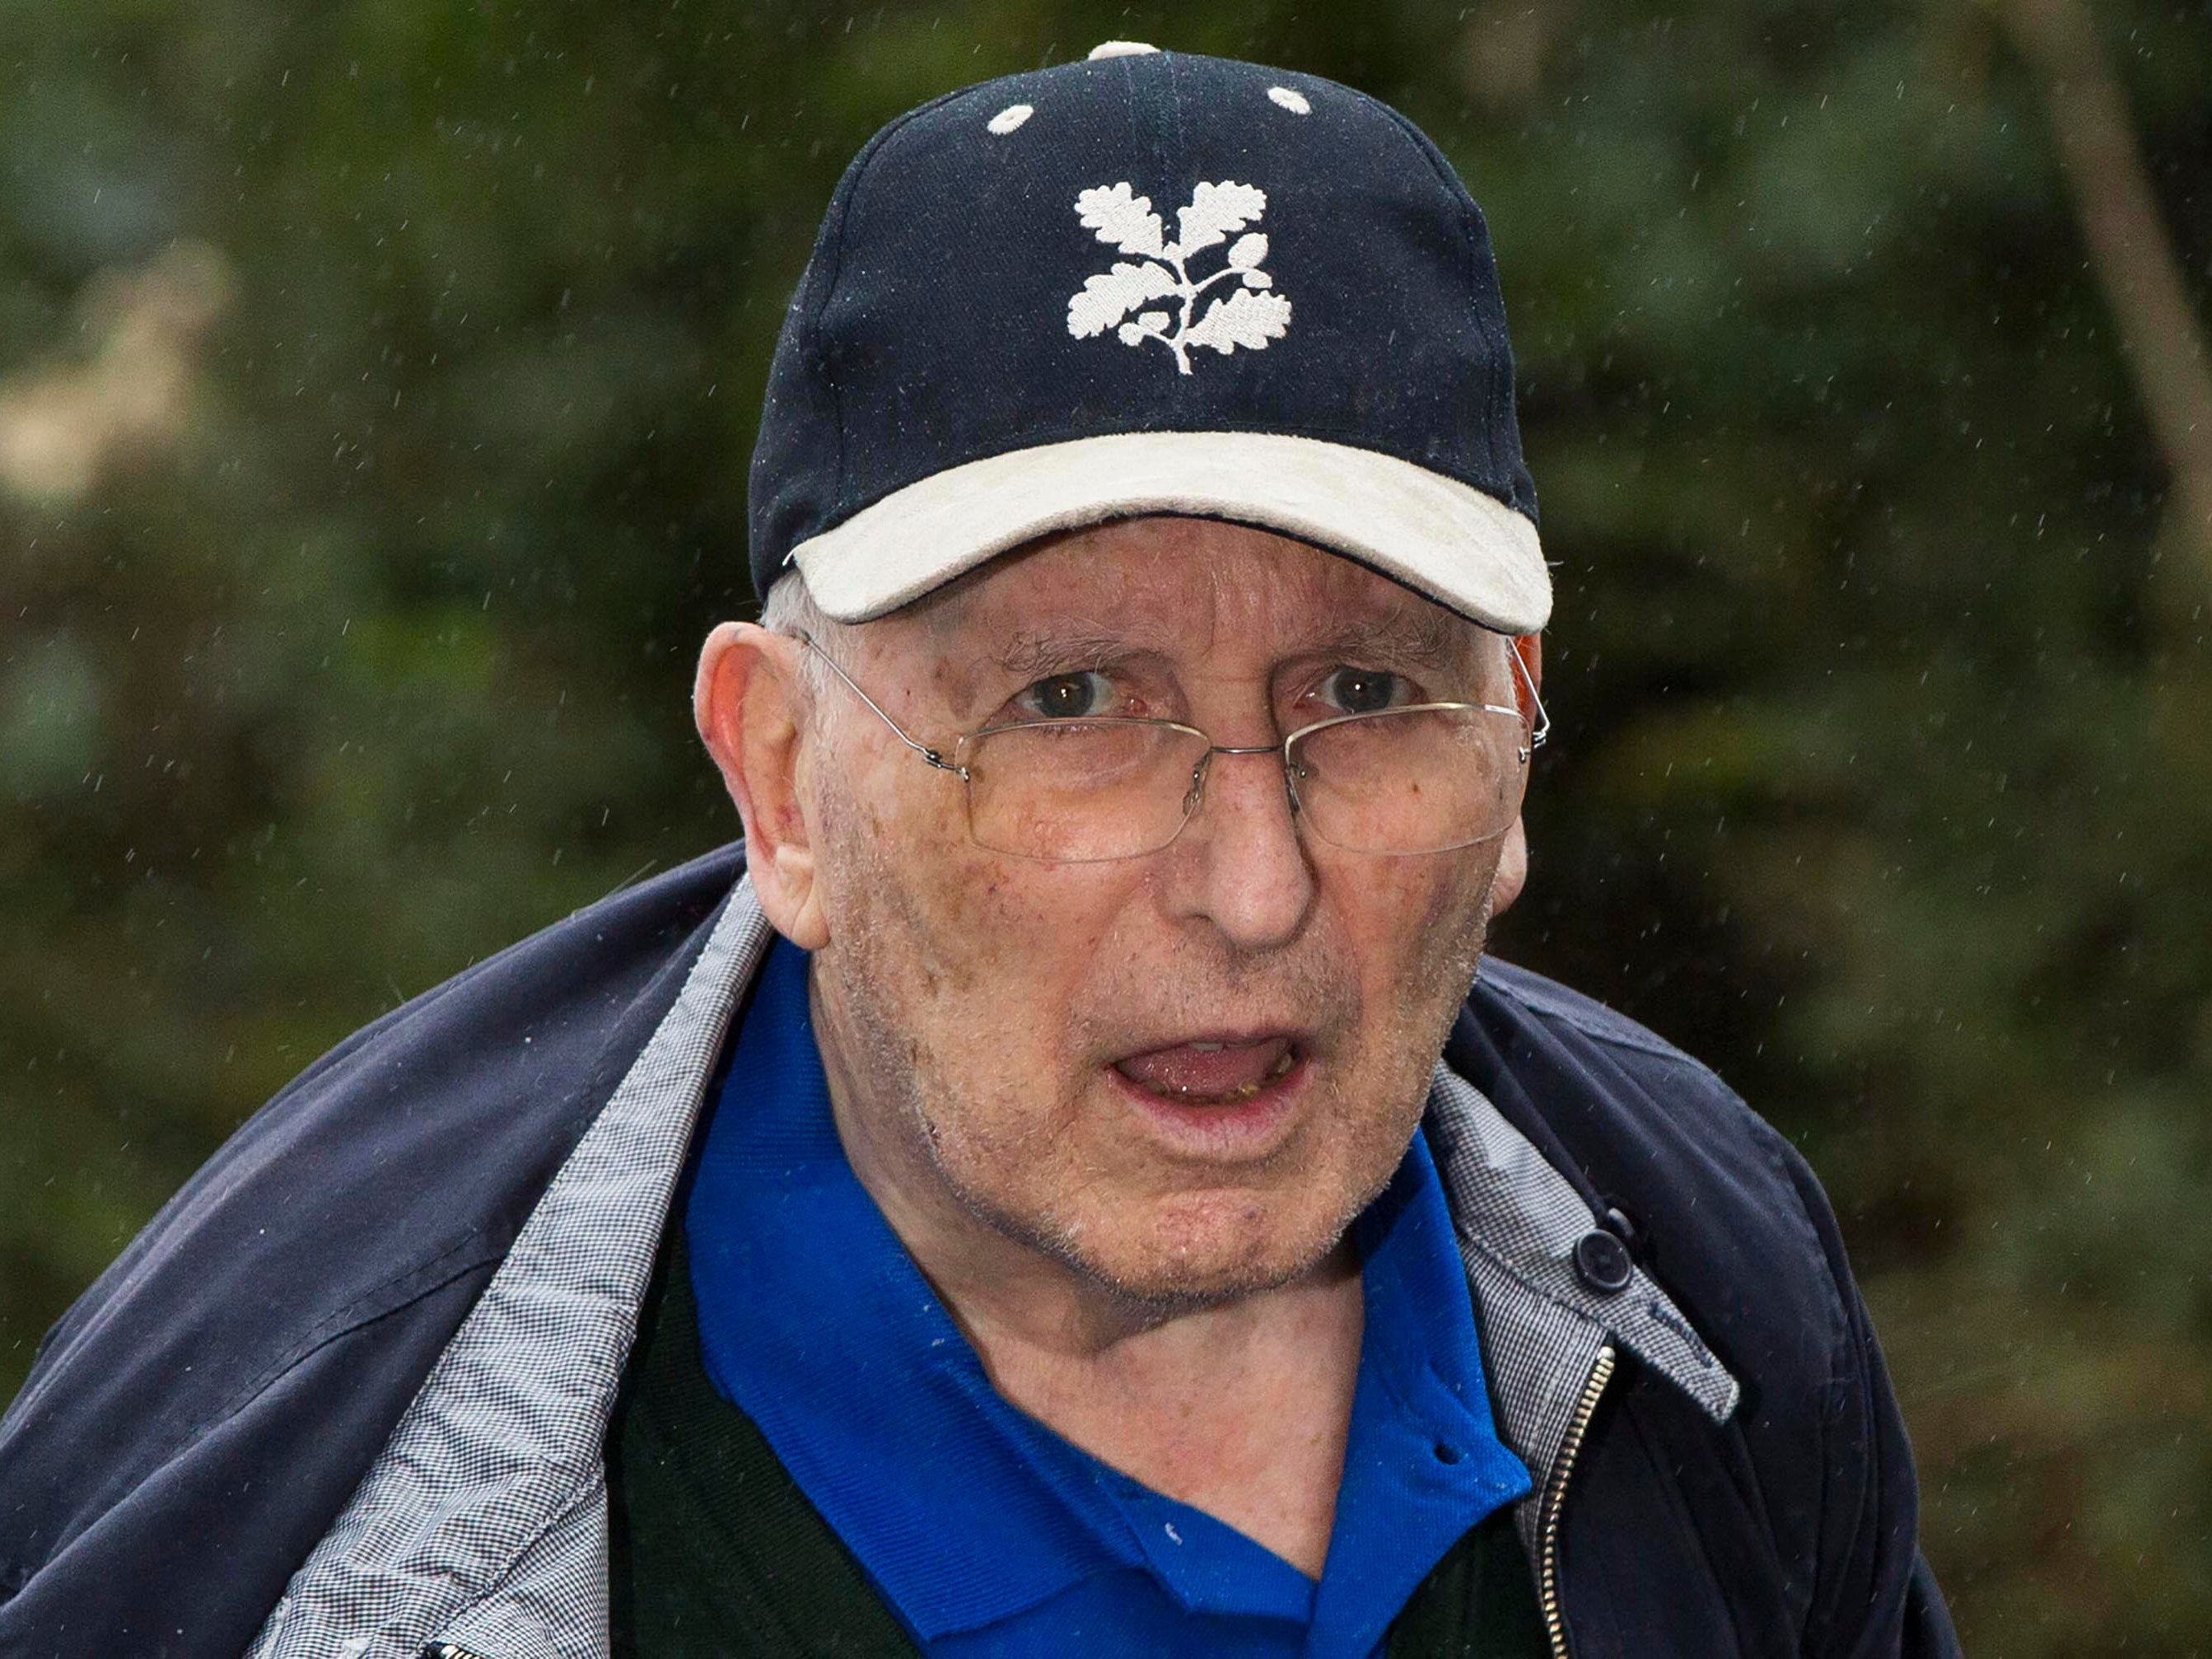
2133, 258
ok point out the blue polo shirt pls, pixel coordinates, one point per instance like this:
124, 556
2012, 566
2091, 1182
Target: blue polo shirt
986, 1533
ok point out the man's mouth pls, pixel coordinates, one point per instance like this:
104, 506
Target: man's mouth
1212, 1072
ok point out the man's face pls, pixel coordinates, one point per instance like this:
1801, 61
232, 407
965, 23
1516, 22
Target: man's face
1182, 1073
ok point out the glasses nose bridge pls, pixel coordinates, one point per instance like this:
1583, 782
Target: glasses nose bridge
1196, 794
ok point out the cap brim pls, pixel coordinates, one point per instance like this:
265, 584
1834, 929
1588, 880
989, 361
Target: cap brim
1464, 549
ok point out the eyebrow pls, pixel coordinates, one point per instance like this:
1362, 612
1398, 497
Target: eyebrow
1431, 639
1045, 650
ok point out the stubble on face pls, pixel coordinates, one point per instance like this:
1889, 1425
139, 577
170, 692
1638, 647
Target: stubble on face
967, 1005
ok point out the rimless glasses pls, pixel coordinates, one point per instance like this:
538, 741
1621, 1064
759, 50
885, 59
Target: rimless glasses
1425, 777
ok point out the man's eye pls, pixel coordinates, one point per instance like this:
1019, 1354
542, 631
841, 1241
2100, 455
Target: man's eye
1068, 696
1363, 691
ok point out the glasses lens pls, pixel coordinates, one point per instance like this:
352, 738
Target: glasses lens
1419, 780
1076, 791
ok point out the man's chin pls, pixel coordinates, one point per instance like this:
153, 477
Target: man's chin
1195, 1256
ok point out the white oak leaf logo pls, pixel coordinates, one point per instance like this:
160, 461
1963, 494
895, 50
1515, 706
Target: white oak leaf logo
1107, 299
1251, 315
1244, 319
1122, 217
1246, 257
1217, 210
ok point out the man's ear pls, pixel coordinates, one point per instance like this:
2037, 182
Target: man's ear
1513, 856
1529, 647
749, 703
1512, 874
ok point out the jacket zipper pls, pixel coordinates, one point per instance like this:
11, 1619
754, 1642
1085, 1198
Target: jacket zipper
1555, 1497
449, 1650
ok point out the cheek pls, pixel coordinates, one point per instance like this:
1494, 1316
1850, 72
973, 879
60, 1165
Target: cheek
1418, 925
986, 961
1018, 946
1408, 907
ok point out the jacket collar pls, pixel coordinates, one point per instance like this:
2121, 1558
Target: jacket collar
1542, 1324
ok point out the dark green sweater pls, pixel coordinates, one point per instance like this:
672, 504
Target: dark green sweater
716, 1553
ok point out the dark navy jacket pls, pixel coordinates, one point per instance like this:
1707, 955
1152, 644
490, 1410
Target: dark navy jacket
197, 1421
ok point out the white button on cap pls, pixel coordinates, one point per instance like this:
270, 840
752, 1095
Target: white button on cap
1119, 49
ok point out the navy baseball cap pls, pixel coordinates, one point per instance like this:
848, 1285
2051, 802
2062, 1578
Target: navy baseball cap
1147, 282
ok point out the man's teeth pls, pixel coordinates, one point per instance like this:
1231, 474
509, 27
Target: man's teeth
1284, 1061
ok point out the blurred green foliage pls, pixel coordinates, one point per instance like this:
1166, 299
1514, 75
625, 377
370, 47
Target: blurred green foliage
376, 387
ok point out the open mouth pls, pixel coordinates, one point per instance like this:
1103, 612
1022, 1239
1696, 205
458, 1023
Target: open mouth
1212, 1072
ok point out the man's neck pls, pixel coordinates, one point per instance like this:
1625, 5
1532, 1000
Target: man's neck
1240, 1408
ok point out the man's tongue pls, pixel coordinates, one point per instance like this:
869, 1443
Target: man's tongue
1201, 1073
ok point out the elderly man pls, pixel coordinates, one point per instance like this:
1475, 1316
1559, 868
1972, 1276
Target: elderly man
1053, 1190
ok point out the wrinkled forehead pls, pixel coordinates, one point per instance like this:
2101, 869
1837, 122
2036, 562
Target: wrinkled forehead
1197, 589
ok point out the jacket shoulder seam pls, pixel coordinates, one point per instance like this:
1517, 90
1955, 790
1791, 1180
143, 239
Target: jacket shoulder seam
435, 1275
1846, 1381
362, 1310
16, 1574
476, 1249
1776, 1149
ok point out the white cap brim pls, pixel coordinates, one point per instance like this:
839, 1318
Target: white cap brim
1464, 549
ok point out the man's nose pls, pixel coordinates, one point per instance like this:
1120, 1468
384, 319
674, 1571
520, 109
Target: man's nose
1241, 861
